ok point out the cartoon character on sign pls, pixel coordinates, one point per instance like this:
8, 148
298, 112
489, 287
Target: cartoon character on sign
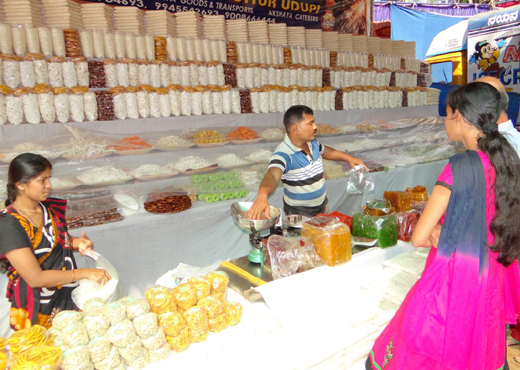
486, 57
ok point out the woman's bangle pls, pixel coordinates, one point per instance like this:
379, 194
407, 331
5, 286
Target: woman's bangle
73, 275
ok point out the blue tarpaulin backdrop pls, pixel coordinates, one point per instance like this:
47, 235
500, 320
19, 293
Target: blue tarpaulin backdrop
418, 26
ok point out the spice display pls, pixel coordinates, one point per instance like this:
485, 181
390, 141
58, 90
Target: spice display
90, 106
11, 70
14, 107
105, 106
119, 102
27, 75
167, 203
96, 70
330, 237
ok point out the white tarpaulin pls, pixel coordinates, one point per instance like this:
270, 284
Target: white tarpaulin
454, 38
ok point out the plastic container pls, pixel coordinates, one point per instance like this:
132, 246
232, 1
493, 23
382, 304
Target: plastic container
330, 237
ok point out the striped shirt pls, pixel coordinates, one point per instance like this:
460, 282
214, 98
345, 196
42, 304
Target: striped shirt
304, 184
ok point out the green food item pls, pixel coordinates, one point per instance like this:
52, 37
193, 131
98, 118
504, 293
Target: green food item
215, 176
204, 178
215, 197
230, 175
224, 196
195, 179
230, 195
382, 228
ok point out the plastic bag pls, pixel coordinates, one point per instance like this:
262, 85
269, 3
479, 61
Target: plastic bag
284, 255
406, 224
359, 180
330, 237
113, 290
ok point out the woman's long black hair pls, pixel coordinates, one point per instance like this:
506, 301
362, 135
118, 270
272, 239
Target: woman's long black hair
479, 104
23, 168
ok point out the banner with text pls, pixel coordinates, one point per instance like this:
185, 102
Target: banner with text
344, 16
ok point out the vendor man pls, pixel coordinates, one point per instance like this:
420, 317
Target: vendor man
297, 161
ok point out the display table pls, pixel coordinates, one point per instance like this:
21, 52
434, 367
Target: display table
309, 326
144, 246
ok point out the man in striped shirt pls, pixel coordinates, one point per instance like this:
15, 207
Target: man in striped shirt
297, 161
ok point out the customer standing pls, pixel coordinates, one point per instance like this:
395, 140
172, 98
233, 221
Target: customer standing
297, 161
454, 317
36, 249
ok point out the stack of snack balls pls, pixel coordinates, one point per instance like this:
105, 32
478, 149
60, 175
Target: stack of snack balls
30, 349
110, 335
191, 310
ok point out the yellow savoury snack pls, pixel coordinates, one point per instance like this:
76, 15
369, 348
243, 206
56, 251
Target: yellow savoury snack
233, 311
211, 305
3, 360
40, 357
153, 291
162, 303
221, 296
180, 342
218, 323
197, 323
21, 340
185, 296
218, 280
172, 323
201, 286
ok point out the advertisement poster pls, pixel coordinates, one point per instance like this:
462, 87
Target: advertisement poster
344, 16
494, 48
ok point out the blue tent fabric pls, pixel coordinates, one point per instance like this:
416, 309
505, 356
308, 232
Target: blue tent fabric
512, 111
418, 26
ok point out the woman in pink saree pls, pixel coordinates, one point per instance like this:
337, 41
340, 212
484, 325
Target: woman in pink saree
456, 314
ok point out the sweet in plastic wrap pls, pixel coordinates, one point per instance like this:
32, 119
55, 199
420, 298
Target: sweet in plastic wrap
137, 308
382, 228
111, 361
221, 296
284, 255
159, 354
99, 349
131, 351
146, 325
180, 342
185, 296
37, 358
140, 361
172, 323
419, 197
93, 307
122, 334
96, 325
211, 305
65, 318
218, 281
116, 312
155, 341
153, 291
24, 339
378, 207
330, 237
162, 303
197, 323
233, 312
406, 224
400, 200
218, 323
75, 335
201, 285
76, 358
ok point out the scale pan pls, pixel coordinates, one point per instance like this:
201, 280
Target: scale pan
239, 213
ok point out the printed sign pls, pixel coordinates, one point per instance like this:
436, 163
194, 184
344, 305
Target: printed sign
329, 15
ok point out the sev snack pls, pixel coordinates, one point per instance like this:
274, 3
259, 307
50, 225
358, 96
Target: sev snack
40, 357
24, 339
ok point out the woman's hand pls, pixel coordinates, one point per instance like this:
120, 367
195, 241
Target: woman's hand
100, 276
84, 244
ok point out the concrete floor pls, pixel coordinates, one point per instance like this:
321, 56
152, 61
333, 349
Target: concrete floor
513, 351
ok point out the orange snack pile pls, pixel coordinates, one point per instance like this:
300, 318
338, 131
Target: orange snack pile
131, 143
242, 133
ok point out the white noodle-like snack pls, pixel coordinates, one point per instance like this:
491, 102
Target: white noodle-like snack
115, 312
146, 325
76, 358
159, 354
150, 170
131, 351
75, 335
122, 334
189, 162
99, 349
155, 341
99, 175
273, 134
96, 325
230, 160
261, 155
66, 318
111, 361
171, 142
